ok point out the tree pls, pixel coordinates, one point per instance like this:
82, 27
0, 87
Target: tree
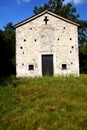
82, 32
83, 58
68, 11
52, 5
83, 46
7, 50
9, 27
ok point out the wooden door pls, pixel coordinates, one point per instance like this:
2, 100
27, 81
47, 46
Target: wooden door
47, 65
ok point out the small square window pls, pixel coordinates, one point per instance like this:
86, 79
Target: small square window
31, 67
64, 66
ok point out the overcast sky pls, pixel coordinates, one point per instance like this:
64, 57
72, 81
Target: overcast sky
17, 10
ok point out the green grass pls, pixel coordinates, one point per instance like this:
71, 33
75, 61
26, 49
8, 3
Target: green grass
48, 103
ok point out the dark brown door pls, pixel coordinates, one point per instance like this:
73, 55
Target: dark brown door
47, 64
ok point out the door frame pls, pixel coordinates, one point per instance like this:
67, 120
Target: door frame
40, 62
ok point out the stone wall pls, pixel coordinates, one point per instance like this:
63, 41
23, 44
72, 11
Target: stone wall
35, 38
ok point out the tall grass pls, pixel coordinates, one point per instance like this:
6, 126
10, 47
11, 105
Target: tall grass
47, 103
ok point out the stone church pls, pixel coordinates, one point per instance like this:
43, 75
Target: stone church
46, 44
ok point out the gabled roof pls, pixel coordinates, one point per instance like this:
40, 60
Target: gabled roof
42, 13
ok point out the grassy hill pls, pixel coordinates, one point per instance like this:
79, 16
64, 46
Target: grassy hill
48, 103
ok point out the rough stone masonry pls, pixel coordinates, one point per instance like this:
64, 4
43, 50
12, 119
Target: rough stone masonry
46, 44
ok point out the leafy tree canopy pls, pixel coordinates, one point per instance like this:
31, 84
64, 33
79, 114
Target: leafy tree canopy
7, 50
9, 27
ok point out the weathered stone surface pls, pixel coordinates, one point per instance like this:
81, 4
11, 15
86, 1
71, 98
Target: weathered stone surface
34, 39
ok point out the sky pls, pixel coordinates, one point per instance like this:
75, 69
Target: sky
18, 10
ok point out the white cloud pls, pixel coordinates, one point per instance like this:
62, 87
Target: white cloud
79, 1
21, 1
75, 1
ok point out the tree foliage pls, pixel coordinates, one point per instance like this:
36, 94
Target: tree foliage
52, 5
83, 58
7, 50
82, 32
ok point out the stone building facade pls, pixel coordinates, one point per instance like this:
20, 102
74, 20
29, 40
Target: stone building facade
46, 44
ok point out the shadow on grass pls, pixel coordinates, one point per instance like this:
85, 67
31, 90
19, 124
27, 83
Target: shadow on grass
6, 80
